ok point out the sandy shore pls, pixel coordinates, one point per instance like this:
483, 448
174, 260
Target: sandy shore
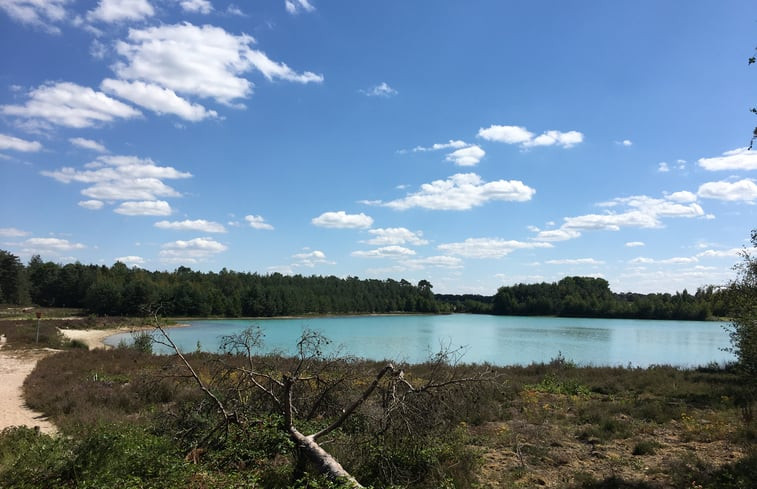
15, 366
93, 338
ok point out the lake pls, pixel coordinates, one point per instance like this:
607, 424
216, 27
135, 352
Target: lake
500, 340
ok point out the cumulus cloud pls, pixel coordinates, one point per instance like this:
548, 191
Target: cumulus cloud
736, 159
88, 144
452, 143
144, 208
439, 261
50, 245
744, 190
462, 191
296, 6
392, 251
488, 247
38, 13
663, 167
202, 61
257, 222
18, 144
111, 11
342, 220
395, 236
13, 233
634, 244
157, 99
575, 261
677, 260
115, 177
196, 6
71, 105
626, 143
310, 259
192, 225
131, 260
381, 90
526, 139
468, 156
92, 205
683, 197
192, 251
638, 211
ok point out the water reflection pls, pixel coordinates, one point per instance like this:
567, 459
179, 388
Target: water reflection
500, 340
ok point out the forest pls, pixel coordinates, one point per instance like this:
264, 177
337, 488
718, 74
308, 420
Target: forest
121, 291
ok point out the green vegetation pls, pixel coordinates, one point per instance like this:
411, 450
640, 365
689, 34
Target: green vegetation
132, 419
120, 291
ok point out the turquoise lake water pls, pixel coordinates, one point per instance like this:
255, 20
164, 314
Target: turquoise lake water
500, 340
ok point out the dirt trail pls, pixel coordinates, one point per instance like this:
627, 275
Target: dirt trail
15, 366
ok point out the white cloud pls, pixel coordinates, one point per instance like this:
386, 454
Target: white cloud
18, 144
120, 10
392, 251
575, 261
626, 143
192, 251
731, 253
202, 61
556, 138
640, 211
663, 167
197, 6
462, 191
51, 245
744, 190
677, 260
488, 247
452, 143
737, 159
144, 208
189, 225
258, 222
395, 236
157, 99
296, 6
91, 204
469, 156
380, 90
683, 197
524, 137
311, 259
68, 104
342, 220
439, 261
13, 233
131, 260
115, 177
634, 244
88, 144
39, 13
506, 134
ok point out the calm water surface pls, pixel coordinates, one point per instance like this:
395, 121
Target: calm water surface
500, 340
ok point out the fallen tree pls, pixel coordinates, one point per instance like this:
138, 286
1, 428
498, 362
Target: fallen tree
312, 392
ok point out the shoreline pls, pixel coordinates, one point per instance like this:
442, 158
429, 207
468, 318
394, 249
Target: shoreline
95, 338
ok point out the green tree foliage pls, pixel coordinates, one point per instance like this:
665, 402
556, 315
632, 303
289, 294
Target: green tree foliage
592, 297
14, 287
743, 328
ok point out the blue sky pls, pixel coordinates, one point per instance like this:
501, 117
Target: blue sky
472, 144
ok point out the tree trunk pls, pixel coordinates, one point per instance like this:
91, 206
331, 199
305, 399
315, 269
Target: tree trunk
325, 462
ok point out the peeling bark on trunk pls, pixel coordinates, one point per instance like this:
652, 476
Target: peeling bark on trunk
325, 462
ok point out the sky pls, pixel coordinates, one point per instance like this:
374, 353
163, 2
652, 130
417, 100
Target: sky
471, 144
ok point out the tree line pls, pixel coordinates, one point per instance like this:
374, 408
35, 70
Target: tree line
122, 291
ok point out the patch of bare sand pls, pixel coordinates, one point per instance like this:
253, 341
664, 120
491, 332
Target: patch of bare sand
14, 367
93, 338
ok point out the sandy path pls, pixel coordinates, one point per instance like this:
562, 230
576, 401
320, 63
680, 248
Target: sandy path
14, 367
93, 338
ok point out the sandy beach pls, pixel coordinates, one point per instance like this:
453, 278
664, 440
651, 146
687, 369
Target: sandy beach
14, 367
